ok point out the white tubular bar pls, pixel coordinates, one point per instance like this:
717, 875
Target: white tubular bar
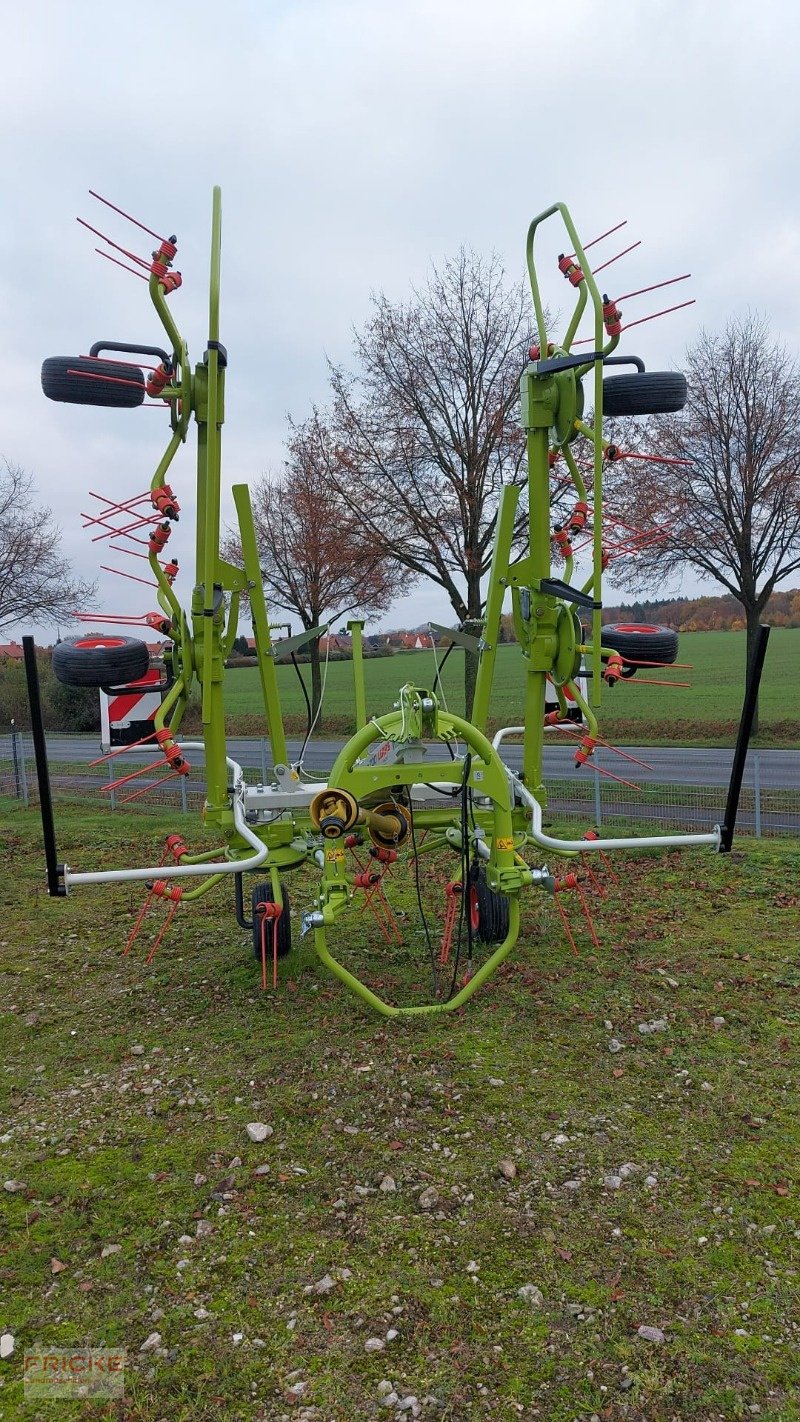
185, 871
585, 846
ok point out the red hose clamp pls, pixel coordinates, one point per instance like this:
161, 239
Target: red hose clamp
569, 881
613, 668
176, 847
269, 910
384, 856
158, 622
158, 378
171, 571
577, 519
562, 541
552, 718
159, 537
172, 751
612, 317
585, 749
162, 890
367, 879
352, 841
535, 351
164, 501
569, 267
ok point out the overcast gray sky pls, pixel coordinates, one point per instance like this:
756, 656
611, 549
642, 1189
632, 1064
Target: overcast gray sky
355, 143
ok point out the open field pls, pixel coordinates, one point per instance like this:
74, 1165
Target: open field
632, 711
126, 1092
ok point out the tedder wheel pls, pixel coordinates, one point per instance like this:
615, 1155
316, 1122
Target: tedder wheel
650, 392
488, 910
262, 894
79, 380
100, 660
638, 642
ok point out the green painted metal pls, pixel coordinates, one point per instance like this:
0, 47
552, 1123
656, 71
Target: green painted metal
355, 627
417, 740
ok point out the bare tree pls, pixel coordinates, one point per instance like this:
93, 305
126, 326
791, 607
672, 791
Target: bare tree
317, 559
36, 582
732, 512
427, 430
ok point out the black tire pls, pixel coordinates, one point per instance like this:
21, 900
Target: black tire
100, 659
488, 910
262, 894
639, 642
78, 380
651, 392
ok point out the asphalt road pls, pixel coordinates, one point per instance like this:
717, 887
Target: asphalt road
777, 769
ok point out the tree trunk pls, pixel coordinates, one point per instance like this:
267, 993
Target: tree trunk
316, 676
473, 626
753, 623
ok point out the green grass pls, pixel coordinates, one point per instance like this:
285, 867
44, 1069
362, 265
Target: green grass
136, 1149
706, 713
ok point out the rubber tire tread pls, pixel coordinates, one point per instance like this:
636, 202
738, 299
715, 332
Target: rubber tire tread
262, 894
658, 644
59, 384
649, 392
100, 666
493, 914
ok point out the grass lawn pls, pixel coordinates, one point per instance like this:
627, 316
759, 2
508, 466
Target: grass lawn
418, 1174
632, 711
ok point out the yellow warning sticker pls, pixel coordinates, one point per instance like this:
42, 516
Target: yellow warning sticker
335, 855
504, 844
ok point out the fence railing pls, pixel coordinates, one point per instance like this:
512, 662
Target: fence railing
673, 797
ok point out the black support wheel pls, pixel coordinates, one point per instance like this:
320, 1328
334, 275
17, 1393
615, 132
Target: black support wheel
262, 894
488, 910
101, 659
82, 380
649, 392
640, 642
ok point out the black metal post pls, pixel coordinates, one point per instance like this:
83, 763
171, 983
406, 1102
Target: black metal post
55, 871
754, 671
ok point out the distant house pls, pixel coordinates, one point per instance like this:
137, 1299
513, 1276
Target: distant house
10, 651
336, 642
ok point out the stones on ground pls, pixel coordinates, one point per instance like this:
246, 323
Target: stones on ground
328, 1282
718, 1021
150, 1344
531, 1295
612, 1182
201, 1313
615, 1045
7, 1344
496, 1081
13, 1186
385, 1387
651, 1335
391, 1334
560, 1139
507, 1169
258, 1131
659, 1024
200, 1179
572, 1184
374, 1345
429, 1198
388, 1184
627, 1170
57, 1267
650, 1181
138, 1050
109, 1249
203, 1227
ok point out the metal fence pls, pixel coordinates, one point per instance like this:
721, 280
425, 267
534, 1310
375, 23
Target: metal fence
671, 801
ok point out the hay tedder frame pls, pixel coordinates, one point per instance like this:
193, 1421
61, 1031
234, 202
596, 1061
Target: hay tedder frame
416, 782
